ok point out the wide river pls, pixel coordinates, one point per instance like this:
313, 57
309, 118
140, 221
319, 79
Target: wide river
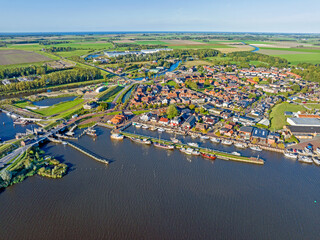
150, 193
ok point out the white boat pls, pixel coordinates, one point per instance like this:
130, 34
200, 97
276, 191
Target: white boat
145, 127
175, 140
143, 141
161, 130
240, 145
64, 143
215, 140
305, 159
318, 151
116, 136
316, 161
290, 155
194, 135
204, 137
236, 153
153, 128
191, 144
138, 125
190, 151
169, 131
256, 148
226, 142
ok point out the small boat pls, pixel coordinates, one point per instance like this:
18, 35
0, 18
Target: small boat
134, 123
204, 137
145, 127
316, 161
215, 140
190, 151
256, 148
191, 144
290, 155
169, 131
240, 145
117, 136
142, 141
165, 146
64, 143
175, 140
236, 153
194, 135
305, 159
91, 132
153, 128
226, 142
161, 130
318, 151
138, 125
209, 156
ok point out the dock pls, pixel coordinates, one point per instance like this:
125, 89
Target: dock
221, 155
88, 153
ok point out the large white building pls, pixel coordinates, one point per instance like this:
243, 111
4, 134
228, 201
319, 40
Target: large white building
314, 122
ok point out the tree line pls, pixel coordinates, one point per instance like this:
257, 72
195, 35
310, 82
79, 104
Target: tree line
308, 71
55, 78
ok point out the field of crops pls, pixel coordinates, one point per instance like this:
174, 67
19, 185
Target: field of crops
11, 56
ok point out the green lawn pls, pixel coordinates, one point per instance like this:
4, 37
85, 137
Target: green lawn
58, 108
277, 117
200, 46
295, 59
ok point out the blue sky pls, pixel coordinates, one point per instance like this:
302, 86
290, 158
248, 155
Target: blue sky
164, 15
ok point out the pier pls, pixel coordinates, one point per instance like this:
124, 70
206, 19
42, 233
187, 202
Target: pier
219, 154
88, 153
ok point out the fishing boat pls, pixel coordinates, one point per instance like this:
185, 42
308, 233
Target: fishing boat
145, 127
290, 155
162, 145
204, 137
116, 136
305, 159
256, 148
240, 145
236, 153
191, 144
190, 151
316, 161
226, 142
215, 140
209, 156
161, 130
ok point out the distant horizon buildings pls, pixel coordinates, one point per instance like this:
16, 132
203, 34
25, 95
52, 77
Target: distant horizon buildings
146, 51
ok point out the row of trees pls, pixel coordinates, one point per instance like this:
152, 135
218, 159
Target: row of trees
56, 78
23, 71
60, 49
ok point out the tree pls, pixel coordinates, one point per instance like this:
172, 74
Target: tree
172, 111
191, 106
6, 175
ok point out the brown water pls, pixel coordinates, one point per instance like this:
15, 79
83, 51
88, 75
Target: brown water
150, 193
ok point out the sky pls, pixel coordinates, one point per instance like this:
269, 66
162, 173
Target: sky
285, 16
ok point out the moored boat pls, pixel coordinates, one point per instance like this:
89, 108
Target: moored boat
204, 137
316, 161
161, 130
162, 145
215, 140
116, 136
138, 125
318, 151
209, 156
236, 153
256, 148
175, 140
226, 142
305, 159
290, 155
142, 141
240, 145
191, 144
145, 127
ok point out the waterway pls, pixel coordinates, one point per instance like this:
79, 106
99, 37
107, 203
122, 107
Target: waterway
52, 101
8, 130
151, 193
127, 95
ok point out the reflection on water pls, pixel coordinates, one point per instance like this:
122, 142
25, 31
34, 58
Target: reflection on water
151, 193
52, 101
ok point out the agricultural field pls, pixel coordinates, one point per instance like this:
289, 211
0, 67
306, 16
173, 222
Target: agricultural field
8, 57
189, 64
277, 117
